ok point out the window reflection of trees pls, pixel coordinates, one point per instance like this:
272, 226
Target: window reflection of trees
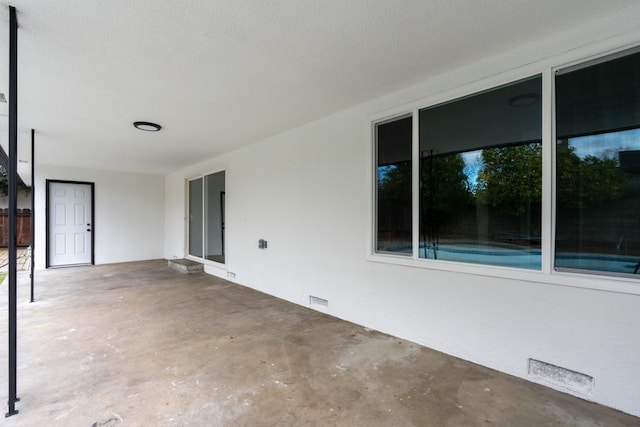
394, 208
497, 207
597, 203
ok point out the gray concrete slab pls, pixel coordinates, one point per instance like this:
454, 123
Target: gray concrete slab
185, 266
140, 344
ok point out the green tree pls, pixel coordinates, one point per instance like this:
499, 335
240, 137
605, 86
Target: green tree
602, 180
443, 183
4, 181
394, 182
445, 193
511, 178
589, 181
567, 174
394, 203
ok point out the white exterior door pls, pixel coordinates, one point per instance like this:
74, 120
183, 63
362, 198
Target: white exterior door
70, 224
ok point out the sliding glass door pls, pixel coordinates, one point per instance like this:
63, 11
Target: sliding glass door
206, 217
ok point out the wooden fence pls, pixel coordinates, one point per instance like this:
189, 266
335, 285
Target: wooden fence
23, 227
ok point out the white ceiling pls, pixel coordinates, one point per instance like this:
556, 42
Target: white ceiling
218, 75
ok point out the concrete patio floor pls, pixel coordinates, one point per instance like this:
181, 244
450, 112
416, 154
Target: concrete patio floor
140, 344
23, 259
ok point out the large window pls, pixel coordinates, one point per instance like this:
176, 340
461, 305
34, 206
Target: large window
598, 167
206, 217
478, 165
481, 177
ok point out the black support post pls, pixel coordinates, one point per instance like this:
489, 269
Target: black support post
12, 172
33, 212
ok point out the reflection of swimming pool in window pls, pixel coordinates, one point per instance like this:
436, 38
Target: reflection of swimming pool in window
598, 262
489, 253
514, 256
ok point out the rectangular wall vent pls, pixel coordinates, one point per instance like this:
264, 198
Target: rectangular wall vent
561, 377
318, 302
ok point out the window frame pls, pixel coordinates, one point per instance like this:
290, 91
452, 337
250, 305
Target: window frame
375, 126
567, 68
547, 275
502, 90
187, 182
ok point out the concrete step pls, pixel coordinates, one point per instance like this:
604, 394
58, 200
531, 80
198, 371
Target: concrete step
186, 265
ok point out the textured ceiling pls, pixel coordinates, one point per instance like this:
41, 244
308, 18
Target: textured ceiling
218, 75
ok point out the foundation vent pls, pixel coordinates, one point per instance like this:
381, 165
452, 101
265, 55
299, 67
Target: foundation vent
560, 377
318, 302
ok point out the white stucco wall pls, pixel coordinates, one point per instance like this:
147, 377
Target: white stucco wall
129, 213
308, 192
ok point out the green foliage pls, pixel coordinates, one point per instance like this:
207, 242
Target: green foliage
445, 187
511, 178
444, 195
602, 180
567, 177
589, 181
394, 182
509, 182
4, 181
394, 198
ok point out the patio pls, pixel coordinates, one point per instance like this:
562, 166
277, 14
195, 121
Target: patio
23, 259
141, 344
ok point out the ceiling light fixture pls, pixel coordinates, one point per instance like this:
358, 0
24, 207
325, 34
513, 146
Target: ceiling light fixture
147, 126
524, 99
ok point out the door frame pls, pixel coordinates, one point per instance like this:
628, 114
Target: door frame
223, 217
187, 224
47, 216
